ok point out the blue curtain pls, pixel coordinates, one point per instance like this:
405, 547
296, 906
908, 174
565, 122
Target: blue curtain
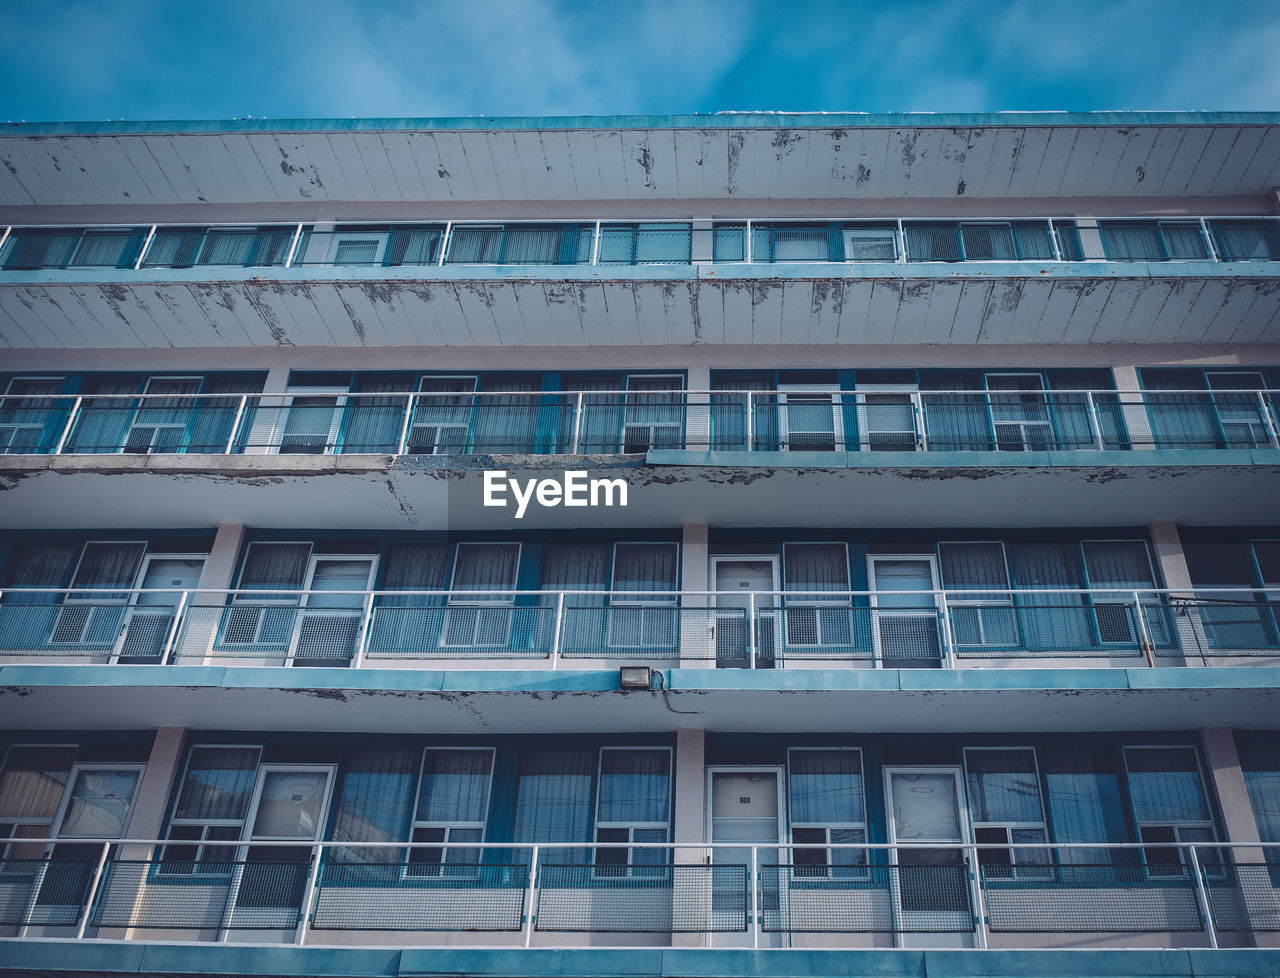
1131, 242
218, 783
729, 415
985, 618
577, 567
1002, 786
1261, 767
27, 619
1181, 420
406, 623
826, 786
373, 423
1083, 790
553, 803
1165, 784
103, 420
635, 786
1050, 621
507, 422
373, 802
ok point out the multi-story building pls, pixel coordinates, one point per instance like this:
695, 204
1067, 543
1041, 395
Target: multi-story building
916, 610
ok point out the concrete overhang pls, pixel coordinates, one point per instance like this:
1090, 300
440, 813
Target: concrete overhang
652, 305
501, 701
871, 489
734, 155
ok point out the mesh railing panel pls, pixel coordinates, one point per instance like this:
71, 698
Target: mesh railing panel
48, 891
246, 894
809, 630
407, 896
1051, 626
458, 631
1227, 627
609, 898
865, 899
1083, 898
637, 632
1244, 897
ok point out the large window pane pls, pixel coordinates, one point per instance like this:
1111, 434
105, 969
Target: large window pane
553, 802
826, 786
1165, 785
455, 786
218, 783
635, 785
1002, 786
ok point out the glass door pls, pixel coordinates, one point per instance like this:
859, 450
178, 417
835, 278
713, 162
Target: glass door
152, 610
907, 627
290, 804
930, 886
740, 584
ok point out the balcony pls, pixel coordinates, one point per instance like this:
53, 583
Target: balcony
964, 895
574, 630
639, 282
458, 421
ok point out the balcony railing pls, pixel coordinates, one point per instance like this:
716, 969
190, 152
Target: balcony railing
629, 422
954, 629
1175, 895
594, 242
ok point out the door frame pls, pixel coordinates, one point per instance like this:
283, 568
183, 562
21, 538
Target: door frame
837, 412
779, 769
874, 594
133, 604
914, 403
775, 562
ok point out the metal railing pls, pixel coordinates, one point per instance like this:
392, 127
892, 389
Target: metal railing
596, 242
951, 628
737, 894
632, 422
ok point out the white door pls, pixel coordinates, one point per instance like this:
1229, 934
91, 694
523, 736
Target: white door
162, 579
809, 418
290, 804
745, 806
328, 626
907, 625
930, 887
741, 584
1020, 413
312, 420
887, 418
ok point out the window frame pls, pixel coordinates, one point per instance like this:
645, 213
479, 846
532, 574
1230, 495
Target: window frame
1154, 600
663, 604
630, 869
812, 602
14, 822
1176, 824
422, 870
1005, 603
818, 872
203, 842
1019, 869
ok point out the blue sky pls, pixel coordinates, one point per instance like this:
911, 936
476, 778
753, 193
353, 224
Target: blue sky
92, 60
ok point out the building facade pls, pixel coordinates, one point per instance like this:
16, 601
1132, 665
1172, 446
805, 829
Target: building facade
731, 544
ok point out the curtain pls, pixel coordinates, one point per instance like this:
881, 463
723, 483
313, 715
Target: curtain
825, 786
108, 565
644, 567
1261, 767
216, 414
800, 244
1181, 420
1049, 621
33, 781
574, 567
484, 568
1131, 242
218, 783
1033, 241
553, 802
653, 419
404, 623
105, 249
414, 246
275, 565
1184, 241
1238, 242
103, 420
988, 242
41, 249
953, 422
1002, 786
635, 786
1164, 784
373, 422
729, 414
27, 619
475, 245
174, 248
455, 786
227, 248
601, 426
373, 801
531, 245
163, 416
978, 619
1083, 790
1118, 563
507, 422
932, 243
815, 567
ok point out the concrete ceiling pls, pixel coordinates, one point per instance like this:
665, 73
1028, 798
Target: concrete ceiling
753, 156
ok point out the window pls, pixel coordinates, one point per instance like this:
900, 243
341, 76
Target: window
1004, 807
870, 244
262, 614
810, 418
1152, 240
1261, 767
828, 809
452, 807
644, 612
645, 244
212, 806
481, 595
1240, 407
1020, 413
31, 789
634, 806
26, 412
1169, 804
92, 618
1123, 564
1246, 240
652, 414
790, 242
982, 613
817, 612
887, 418
1082, 787
97, 806
442, 417
163, 416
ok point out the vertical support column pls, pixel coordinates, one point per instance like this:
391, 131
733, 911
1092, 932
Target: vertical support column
1185, 619
151, 801
1133, 408
691, 821
205, 602
697, 628
697, 421
268, 419
1222, 768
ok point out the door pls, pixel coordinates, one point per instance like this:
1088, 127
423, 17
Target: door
290, 804
163, 416
907, 626
809, 418
741, 584
929, 886
152, 610
312, 420
328, 626
1240, 411
745, 807
442, 418
887, 418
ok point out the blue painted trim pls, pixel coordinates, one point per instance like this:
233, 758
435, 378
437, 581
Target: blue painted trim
121, 957
719, 120
1128, 458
